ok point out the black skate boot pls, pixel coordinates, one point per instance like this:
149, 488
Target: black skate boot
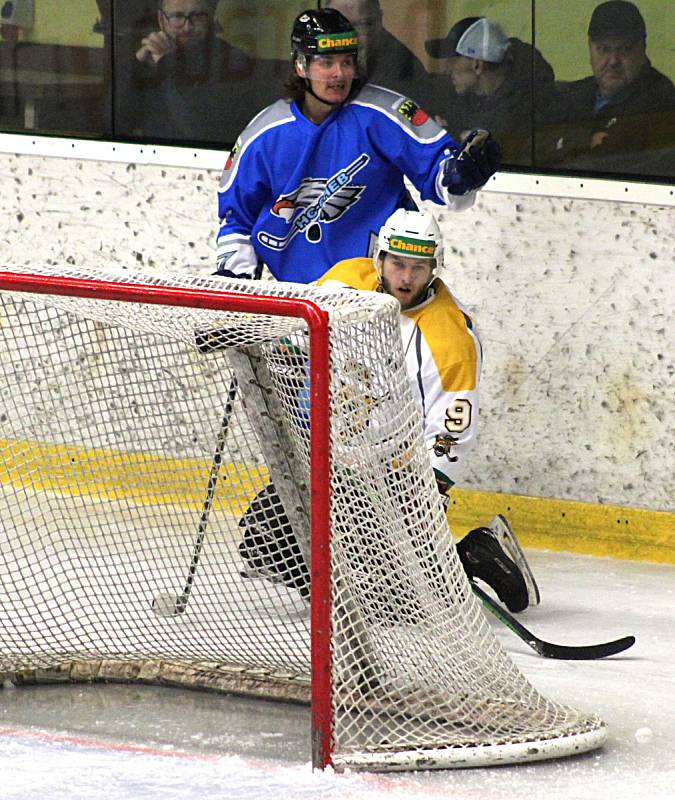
493, 555
269, 548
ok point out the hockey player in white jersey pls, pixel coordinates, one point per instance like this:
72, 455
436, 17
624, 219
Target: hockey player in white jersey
443, 362
313, 177
440, 339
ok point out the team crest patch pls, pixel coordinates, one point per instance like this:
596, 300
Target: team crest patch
230, 158
315, 202
413, 113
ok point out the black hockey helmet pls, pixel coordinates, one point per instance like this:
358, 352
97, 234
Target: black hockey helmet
323, 31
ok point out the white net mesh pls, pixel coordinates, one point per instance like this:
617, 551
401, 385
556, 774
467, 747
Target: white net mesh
153, 495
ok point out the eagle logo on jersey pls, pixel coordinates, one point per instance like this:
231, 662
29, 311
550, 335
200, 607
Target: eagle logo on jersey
314, 202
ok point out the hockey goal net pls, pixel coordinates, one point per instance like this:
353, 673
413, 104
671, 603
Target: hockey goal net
169, 443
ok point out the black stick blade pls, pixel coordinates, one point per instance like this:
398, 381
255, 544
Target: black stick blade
584, 651
548, 649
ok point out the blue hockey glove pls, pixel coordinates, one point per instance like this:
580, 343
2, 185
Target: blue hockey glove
470, 168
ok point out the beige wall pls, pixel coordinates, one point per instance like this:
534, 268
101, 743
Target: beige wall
260, 28
68, 22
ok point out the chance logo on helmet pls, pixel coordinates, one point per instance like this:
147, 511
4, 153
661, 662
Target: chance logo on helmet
414, 234
337, 42
407, 246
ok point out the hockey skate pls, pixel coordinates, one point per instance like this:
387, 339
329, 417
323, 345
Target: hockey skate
492, 554
269, 548
259, 564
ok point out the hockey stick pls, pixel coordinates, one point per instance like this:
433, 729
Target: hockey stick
548, 649
167, 604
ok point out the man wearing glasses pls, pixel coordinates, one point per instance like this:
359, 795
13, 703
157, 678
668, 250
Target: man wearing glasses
189, 84
182, 23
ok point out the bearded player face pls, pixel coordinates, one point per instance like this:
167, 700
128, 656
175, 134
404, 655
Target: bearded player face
406, 278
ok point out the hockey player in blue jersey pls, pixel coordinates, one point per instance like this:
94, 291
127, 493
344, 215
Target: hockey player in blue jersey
313, 177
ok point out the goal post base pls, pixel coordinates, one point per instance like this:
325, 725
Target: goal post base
468, 757
235, 679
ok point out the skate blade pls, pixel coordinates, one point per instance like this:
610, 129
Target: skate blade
507, 539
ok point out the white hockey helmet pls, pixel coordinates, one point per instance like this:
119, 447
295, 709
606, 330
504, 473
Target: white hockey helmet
410, 233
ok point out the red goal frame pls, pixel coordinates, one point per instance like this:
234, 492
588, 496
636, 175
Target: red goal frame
322, 720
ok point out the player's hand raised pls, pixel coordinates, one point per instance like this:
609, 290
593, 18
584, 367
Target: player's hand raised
478, 158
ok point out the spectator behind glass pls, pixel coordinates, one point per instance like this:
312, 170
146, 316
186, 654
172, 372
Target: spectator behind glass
384, 59
622, 118
498, 82
186, 83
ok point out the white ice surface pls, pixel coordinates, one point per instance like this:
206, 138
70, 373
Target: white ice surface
148, 743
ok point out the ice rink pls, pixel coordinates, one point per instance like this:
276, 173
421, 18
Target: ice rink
115, 742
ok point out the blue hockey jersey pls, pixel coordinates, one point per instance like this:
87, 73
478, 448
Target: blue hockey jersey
299, 197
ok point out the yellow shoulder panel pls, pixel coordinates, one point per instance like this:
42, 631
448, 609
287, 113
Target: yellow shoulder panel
447, 332
359, 273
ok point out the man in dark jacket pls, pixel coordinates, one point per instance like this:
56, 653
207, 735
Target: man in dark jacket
189, 84
622, 118
497, 83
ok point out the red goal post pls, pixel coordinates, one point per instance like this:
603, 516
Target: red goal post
112, 406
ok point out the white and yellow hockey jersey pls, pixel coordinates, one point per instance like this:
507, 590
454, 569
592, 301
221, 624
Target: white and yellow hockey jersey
443, 358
